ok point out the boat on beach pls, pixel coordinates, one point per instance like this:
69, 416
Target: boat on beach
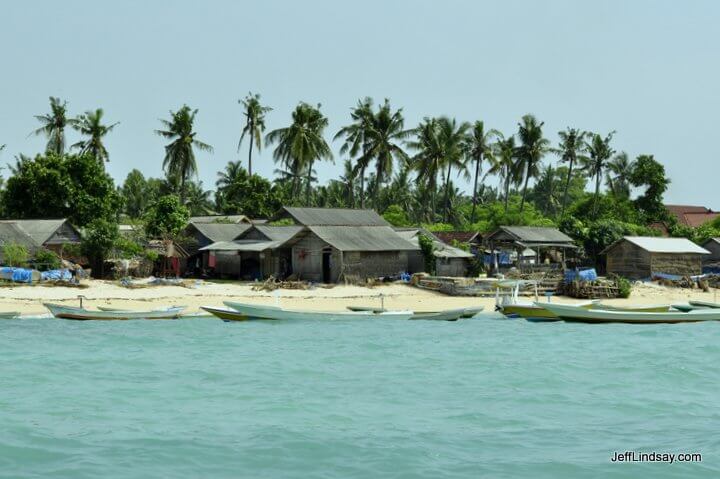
10, 315
71, 312
107, 308
229, 315
276, 312
446, 315
584, 315
704, 304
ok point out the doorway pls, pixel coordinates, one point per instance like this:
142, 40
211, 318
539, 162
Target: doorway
326, 265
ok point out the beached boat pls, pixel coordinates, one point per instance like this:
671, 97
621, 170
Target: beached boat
656, 308
446, 315
704, 304
583, 315
107, 308
275, 312
228, 315
71, 312
10, 315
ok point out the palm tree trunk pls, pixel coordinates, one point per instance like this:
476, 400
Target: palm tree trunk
250, 153
567, 187
507, 189
475, 188
308, 185
362, 188
527, 178
597, 191
447, 193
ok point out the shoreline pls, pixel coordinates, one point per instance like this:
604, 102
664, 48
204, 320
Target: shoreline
29, 299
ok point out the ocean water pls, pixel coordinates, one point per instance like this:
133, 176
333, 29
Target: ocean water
355, 399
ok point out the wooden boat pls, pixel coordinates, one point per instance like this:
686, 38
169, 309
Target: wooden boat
658, 308
71, 312
10, 315
275, 312
534, 311
704, 304
446, 315
106, 308
583, 315
228, 315
686, 307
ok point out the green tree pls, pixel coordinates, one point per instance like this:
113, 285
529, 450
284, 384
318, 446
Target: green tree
90, 125
98, 241
15, 255
250, 195
396, 216
136, 194
428, 162
504, 165
479, 148
179, 163
301, 144
166, 217
618, 173
427, 247
54, 186
647, 172
571, 150
254, 113
452, 138
53, 126
600, 152
198, 200
356, 141
531, 151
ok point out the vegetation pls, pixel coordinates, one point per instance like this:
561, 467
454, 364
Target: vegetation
166, 217
254, 124
45, 260
427, 247
15, 254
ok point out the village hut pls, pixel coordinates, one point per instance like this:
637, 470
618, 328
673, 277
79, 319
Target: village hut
170, 257
449, 260
550, 246
640, 257
713, 246
203, 234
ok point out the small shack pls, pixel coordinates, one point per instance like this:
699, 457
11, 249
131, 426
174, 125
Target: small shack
470, 239
713, 247
643, 257
550, 246
449, 261
207, 233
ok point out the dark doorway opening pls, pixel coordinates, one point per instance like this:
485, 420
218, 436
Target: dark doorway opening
326, 265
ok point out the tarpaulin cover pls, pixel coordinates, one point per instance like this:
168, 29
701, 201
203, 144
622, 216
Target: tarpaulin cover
56, 274
19, 275
580, 275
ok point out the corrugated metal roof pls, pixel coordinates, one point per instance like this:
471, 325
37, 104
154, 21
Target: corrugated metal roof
442, 250
537, 234
664, 245
221, 231
362, 238
335, 217
10, 233
39, 230
248, 245
279, 233
220, 219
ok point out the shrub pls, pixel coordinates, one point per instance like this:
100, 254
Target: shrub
624, 286
45, 260
427, 247
15, 254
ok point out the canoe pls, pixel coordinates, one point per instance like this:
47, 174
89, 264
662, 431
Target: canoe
10, 315
227, 315
534, 311
70, 312
106, 308
274, 312
657, 308
687, 307
583, 315
704, 304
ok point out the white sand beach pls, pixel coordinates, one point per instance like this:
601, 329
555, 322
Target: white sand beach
29, 299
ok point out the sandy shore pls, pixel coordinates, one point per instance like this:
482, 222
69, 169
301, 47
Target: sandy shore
29, 299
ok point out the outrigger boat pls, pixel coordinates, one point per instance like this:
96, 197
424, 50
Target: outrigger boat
70, 312
446, 315
583, 315
107, 308
276, 312
10, 315
228, 315
704, 304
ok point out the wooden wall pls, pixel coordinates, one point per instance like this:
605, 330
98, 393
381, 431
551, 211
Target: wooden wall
714, 248
628, 260
455, 267
682, 264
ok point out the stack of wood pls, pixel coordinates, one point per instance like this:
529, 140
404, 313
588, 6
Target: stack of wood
600, 288
272, 284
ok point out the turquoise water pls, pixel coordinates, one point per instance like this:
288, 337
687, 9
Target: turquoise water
355, 399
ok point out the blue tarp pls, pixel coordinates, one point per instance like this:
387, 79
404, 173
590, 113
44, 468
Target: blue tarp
56, 275
503, 258
580, 275
19, 275
711, 270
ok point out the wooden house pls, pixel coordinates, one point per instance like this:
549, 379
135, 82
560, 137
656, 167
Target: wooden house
640, 257
550, 246
35, 234
449, 260
713, 246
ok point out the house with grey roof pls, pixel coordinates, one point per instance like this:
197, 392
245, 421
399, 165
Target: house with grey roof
323, 245
449, 260
713, 246
643, 257
35, 234
550, 245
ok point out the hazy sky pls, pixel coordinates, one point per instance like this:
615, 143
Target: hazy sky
648, 69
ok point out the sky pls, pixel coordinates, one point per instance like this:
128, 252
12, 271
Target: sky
647, 69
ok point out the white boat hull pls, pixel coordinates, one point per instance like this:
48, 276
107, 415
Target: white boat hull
69, 312
576, 314
274, 312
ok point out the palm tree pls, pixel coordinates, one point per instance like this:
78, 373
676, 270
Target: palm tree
254, 123
382, 143
478, 149
347, 179
179, 163
600, 152
571, 149
452, 138
355, 143
90, 125
531, 151
233, 171
618, 174
198, 200
301, 144
53, 126
428, 161
503, 164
